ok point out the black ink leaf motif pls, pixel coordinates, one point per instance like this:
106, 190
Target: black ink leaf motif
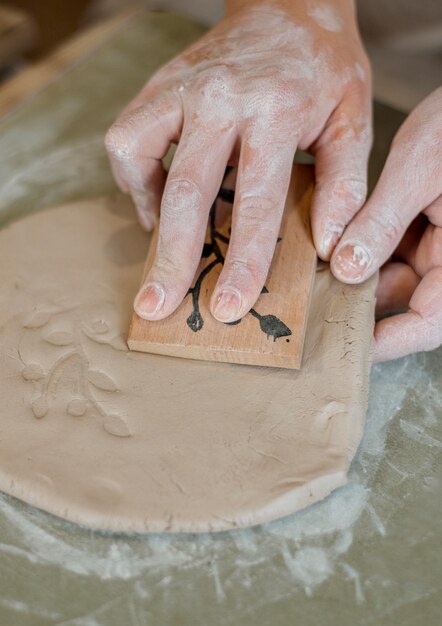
115, 425
269, 324
101, 380
272, 326
195, 321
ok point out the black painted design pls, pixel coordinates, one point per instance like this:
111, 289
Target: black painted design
271, 325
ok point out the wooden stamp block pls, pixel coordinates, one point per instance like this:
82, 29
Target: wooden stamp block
272, 334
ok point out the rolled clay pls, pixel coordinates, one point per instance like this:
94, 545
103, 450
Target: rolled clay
137, 442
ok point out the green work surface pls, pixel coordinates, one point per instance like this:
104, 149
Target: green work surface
368, 554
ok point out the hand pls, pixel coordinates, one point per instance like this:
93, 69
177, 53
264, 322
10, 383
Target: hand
270, 77
403, 218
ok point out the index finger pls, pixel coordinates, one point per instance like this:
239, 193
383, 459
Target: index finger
193, 182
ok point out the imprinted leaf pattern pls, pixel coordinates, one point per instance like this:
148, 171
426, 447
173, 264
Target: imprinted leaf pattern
101, 380
60, 338
75, 359
116, 426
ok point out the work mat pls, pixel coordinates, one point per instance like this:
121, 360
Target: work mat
369, 554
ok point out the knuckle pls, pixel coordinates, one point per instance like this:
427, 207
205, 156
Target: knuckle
348, 193
118, 143
218, 77
271, 100
257, 207
182, 195
213, 84
249, 269
342, 132
389, 224
167, 264
258, 215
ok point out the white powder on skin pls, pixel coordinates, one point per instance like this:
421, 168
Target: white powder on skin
326, 17
250, 82
360, 72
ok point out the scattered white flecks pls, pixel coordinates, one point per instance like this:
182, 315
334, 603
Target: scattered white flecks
314, 544
119, 561
418, 434
430, 483
310, 566
326, 17
354, 576
218, 586
327, 517
376, 520
22, 607
360, 256
403, 475
95, 618
19, 552
143, 593
343, 542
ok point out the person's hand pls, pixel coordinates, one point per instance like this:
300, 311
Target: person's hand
401, 226
270, 77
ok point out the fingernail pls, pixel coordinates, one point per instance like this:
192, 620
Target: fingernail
150, 300
351, 262
331, 237
227, 306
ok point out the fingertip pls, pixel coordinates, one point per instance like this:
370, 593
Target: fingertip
351, 263
149, 301
226, 305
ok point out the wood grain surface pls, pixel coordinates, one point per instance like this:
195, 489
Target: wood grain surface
272, 334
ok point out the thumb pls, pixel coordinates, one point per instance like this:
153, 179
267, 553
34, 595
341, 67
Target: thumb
410, 181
